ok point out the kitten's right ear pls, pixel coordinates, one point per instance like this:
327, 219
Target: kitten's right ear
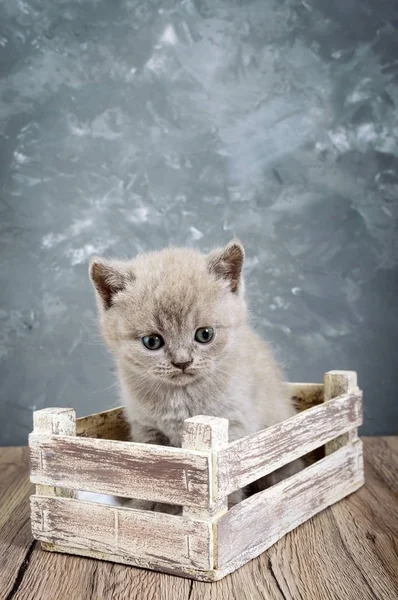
109, 277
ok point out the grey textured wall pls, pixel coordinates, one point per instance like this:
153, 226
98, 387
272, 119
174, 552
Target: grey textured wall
127, 125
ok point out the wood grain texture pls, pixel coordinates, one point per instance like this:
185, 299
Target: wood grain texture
177, 570
58, 576
206, 433
151, 540
55, 421
337, 383
109, 425
305, 395
169, 475
254, 456
348, 551
253, 526
16, 542
161, 474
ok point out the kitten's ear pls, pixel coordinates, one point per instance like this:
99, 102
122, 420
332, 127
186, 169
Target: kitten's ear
109, 277
228, 263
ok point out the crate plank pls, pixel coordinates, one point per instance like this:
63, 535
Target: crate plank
144, 471
258, 454
109, 424
153, 540
177, 570
250, 528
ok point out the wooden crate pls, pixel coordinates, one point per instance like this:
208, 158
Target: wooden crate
207, 541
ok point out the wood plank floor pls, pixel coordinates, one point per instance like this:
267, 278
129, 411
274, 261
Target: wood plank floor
348, 552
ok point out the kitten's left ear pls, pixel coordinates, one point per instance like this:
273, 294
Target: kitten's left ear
228, 263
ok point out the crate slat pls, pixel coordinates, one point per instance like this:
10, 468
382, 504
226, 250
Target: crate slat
256, 455
152, 539
250, 528
306, 395
177, 569
143, 471
109, 424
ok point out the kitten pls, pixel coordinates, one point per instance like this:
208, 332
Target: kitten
177, 324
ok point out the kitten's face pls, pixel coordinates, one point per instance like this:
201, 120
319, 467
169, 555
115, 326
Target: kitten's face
172, 316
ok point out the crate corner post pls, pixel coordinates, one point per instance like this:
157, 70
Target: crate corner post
209, 434
49, 422
337, 383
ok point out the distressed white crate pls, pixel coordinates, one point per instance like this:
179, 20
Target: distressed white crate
207, 541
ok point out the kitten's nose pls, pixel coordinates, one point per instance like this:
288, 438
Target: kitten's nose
182, 365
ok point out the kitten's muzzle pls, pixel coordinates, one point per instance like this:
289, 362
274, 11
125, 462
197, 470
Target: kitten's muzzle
182, 365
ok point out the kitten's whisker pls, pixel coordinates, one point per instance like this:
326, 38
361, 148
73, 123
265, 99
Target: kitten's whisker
116, 383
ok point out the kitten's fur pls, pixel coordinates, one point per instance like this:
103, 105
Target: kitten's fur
173, 293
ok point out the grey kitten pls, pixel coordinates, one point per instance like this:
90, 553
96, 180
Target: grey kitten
177, 324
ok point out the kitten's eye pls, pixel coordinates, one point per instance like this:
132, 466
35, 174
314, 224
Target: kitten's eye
153, 342
204, 335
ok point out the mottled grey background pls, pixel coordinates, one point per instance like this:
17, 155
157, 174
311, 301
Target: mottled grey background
127, 125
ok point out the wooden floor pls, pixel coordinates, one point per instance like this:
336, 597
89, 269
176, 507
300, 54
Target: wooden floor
348, 551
